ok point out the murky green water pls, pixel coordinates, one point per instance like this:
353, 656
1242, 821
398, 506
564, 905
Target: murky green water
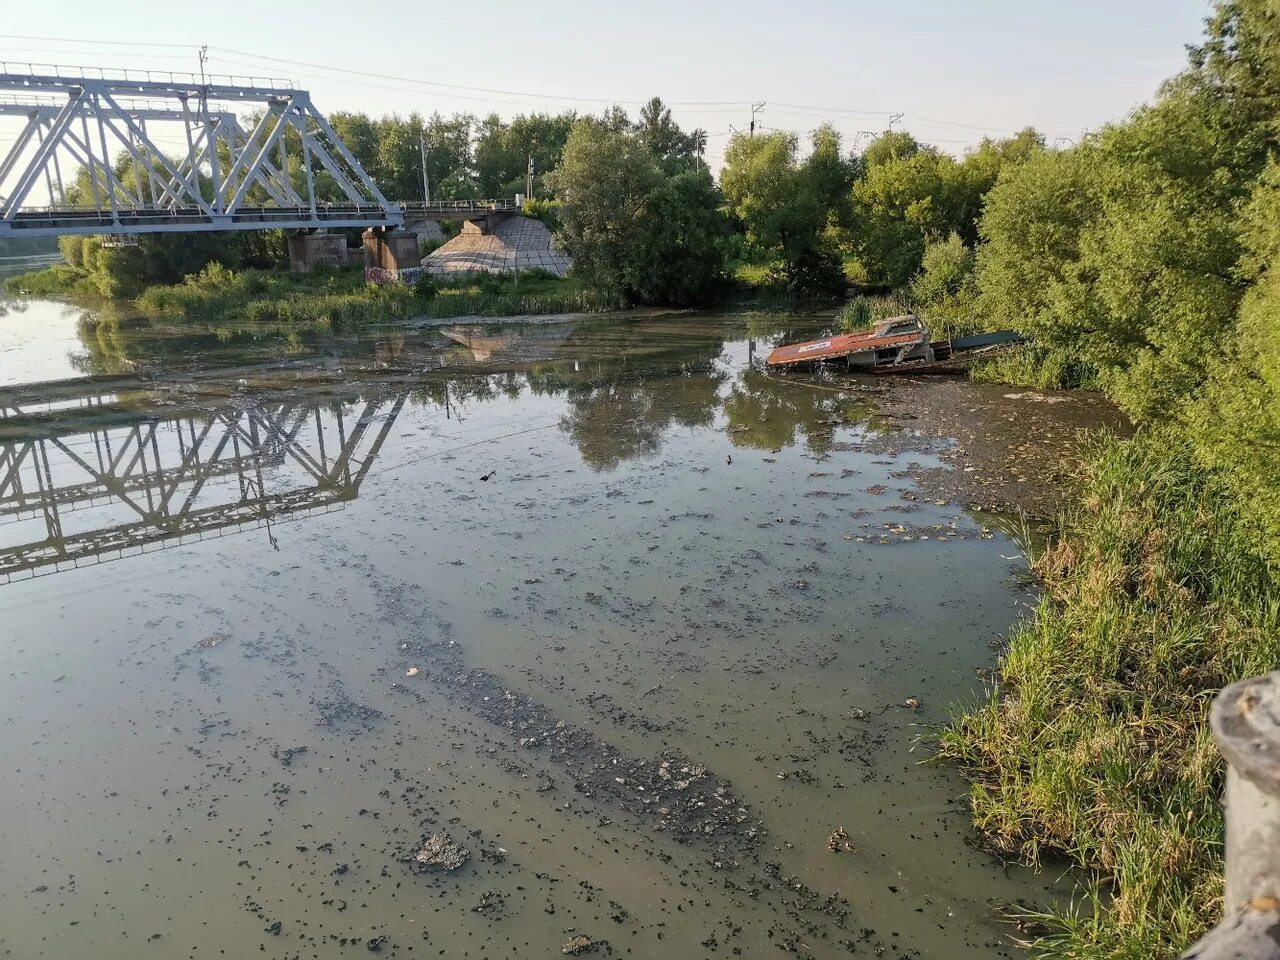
594, 546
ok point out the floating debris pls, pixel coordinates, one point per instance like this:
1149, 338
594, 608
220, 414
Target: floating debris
491, 902
576, 945
440, 852
286, 755
839, 841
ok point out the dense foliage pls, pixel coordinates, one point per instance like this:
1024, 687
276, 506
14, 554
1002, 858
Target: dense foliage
633, 226
1150, 255
790, 208
1149, 249
340, 299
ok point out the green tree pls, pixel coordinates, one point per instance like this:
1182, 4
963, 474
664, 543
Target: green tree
1126, 248
891, 145
901, 203
1236, 418
663, 136
503, 151
829, 175
910, 195
780, 203
945, 290
631, 229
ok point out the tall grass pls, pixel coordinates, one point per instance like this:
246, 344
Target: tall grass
1094, 745
1036, 366
342, 299
57, 280
864, 312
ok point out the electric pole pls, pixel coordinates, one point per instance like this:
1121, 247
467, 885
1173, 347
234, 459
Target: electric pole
894, 118
528, 180
426, 182
755, 108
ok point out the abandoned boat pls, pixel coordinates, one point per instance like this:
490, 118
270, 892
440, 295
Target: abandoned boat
896, 345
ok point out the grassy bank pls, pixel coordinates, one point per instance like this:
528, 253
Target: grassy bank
57, 280
1094, 745
336, 298
1036, 366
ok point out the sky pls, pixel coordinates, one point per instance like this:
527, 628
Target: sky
957, 70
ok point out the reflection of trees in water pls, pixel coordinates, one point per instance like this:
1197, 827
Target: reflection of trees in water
116, 341
106, 347
614, 413
620, 406
776, 412
772, 327
625, 385
454, 392
626, 416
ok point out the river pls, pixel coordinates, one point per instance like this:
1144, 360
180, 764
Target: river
636, 625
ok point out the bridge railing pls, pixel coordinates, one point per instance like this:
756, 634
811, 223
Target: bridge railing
134, 75
1245, 720
134, 209
462, 206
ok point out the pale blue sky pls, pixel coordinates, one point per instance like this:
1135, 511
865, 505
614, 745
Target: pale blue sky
955, 69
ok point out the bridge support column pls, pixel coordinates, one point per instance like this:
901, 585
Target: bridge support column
391, 249
316, 249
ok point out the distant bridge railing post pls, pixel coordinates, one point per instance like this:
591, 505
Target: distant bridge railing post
1245, 720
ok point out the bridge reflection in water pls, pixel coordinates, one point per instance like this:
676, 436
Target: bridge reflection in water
76, 490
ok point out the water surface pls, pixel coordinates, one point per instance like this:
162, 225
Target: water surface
597, 547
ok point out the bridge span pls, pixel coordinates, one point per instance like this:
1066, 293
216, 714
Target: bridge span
282, 172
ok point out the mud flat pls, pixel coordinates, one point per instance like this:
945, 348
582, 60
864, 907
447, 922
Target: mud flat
1003, 448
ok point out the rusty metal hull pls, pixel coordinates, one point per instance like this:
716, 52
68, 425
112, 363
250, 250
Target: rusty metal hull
858, 349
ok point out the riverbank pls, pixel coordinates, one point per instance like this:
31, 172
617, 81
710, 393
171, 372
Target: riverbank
1004, 449
1094, 743
335, 298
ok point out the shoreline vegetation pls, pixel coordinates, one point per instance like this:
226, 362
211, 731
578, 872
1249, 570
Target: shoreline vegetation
340, 298
1094, 743
1143, 261
334, 298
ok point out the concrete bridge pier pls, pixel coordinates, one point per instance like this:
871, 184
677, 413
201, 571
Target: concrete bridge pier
391, 249
316, 248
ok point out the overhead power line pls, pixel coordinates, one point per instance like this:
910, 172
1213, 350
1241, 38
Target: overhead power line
466, 91
456, 86
101, 43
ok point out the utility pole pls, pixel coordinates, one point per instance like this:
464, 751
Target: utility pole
894, 118
426, 182
755, 108
204, 55
528, 180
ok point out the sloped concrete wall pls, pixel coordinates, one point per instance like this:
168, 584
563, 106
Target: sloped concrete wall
516, 242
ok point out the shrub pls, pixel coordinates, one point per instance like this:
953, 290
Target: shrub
945, 289
863, 312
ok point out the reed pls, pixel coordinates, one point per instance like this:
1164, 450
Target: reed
1094, 743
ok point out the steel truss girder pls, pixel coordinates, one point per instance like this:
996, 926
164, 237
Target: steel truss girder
228, 179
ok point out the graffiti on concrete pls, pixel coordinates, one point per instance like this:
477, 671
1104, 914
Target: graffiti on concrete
382, 275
